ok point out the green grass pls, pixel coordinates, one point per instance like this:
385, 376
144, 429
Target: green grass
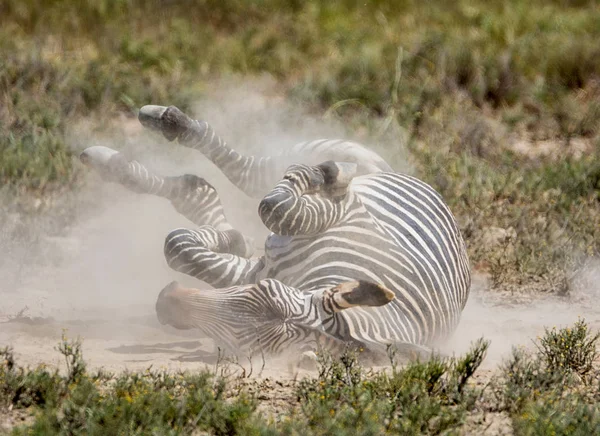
436, 396
421, 398
463, 81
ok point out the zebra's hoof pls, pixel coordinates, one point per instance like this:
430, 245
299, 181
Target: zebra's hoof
97, 155
168, 307
170, 121
151, 115
106, 161
240, 245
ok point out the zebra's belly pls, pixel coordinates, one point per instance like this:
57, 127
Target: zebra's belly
335, 257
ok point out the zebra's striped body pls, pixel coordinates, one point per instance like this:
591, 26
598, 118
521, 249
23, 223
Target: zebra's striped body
396, 231
374, 259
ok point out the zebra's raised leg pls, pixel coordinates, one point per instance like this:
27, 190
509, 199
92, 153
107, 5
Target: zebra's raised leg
190, 195
219, 258
252, 175
268, 315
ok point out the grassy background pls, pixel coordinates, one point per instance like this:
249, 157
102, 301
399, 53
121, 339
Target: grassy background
460, 84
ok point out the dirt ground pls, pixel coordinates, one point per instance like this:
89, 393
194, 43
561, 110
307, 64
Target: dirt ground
99, 279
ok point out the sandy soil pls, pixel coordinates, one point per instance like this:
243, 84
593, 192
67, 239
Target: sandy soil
99, 280
97, 273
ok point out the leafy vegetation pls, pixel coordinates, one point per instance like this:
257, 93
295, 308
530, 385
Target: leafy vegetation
138, 403
436, 396
569, 349
555, 390
422, 398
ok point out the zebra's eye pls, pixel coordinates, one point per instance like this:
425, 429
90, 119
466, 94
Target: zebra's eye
291, 177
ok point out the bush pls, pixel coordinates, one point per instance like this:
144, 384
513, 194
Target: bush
569, 349
23, 388
554, 415
83, 403
422, 398
549, 392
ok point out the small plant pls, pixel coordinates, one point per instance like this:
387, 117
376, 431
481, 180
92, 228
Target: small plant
427, 397
463, 368
71, 350
21, 388
524, 378
543, 391
147, 402
569, 349
554, 415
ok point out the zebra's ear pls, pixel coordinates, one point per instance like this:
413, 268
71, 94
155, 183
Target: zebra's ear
338, 176
360, 293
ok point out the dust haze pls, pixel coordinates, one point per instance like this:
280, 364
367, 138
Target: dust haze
93, 264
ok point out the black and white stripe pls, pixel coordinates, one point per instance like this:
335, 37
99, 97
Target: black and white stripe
388, 229
348, 235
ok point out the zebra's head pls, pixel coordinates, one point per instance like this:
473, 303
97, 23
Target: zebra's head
308, 200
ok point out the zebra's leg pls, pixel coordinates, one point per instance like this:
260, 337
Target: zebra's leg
268, 315
252, 175
190, 195
219, 258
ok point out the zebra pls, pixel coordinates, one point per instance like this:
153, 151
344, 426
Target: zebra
358, 254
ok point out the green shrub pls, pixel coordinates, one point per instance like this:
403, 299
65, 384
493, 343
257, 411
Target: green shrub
526, 379
82, 403
428, 397
569, 349
23, 387
554, 415
549, 392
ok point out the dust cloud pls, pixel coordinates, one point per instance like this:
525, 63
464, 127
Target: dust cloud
511, 319
91, 261
93, 264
